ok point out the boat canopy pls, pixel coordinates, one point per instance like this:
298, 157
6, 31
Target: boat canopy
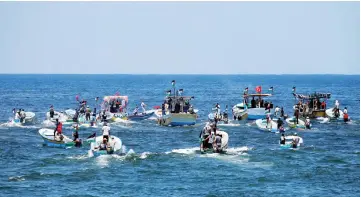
181, 97
257, 95
313, 96
109, 98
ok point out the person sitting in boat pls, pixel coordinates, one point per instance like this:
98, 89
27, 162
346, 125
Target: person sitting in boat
191, 110
58, 130
106, 131
143, 106
135, 112
281, 129
295, 141
110, 146
103, 144
279, 123
283, 139
308, 123
218, 143
51, 111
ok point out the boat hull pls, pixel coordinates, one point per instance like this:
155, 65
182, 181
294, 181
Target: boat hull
262, 125
180, 119
140, 117
291, 123
48, 138
331, 114
258, 113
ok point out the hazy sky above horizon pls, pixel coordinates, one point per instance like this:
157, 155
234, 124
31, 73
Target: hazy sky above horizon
180, 37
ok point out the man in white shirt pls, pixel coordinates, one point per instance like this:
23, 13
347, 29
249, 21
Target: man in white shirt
106, 131
143, 106
277, 110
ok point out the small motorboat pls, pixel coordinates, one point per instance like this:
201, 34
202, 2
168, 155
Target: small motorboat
224, 144
62, 117
292, 123
51, 141
141, 116
289, 139
262, 125
115, 142
331, 114
29, 118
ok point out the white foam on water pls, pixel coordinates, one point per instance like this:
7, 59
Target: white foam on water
229, 125
16, 178
144, 155
78, 157
103, 160
186, 151
48, 123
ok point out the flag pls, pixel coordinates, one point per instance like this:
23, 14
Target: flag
258, 89
294, 89
77, 97
92, 135
271, 88
180, 91
168, 92
117, 94
173, 83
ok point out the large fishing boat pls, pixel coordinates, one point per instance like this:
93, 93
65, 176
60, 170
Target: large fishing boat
176, 109
255, 109
312, 105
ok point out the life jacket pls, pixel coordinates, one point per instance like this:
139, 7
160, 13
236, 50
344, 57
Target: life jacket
345, 116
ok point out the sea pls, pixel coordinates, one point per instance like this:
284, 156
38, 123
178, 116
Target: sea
165, 161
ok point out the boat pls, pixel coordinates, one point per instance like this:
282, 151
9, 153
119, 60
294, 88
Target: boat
62, 117
224, 144
330, 113
29, 118
263, 126
141, 116
312, 104
178, 110
115, 141
114, 112
292, 123
222, 120
288, 144
49, 140
239, 111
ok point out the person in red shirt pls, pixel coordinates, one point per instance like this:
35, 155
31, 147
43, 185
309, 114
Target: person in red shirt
58, 129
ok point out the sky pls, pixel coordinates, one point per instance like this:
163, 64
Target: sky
180, 37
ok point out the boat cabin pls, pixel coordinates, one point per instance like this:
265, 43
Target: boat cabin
178, 104
257, 100
312, 105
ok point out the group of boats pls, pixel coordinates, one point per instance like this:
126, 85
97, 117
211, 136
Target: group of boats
177, 110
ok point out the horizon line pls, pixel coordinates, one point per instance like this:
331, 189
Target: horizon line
169, 74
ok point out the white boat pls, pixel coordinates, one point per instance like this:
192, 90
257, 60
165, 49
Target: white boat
62, 117
224, 143
239, 111
50, 140
262, 125
29, 118
115, 142
292, 123
70, 112
289, 140
331, 114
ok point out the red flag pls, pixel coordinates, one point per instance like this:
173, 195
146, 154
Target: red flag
258, 89
77, 97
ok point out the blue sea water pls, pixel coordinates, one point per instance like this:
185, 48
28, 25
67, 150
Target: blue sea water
165, 162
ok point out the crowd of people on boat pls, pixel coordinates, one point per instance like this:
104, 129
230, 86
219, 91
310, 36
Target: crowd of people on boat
210, 139
19, 115
295, 140
177, 104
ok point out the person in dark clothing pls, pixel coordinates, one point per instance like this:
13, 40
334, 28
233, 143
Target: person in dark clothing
51, 111
76, 115
163, 109
282, 112
279, 123
261, 104
253, 103
297, 113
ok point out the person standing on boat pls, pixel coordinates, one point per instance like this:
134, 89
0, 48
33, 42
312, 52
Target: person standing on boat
135, 112
17, 116
51, 111
295, 141
277, 110
282, 112
297, 113
279, 123
76, 115
58, 129
143, 107
87, 113
106, 131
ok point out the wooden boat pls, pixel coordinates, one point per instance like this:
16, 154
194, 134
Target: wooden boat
312, 103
